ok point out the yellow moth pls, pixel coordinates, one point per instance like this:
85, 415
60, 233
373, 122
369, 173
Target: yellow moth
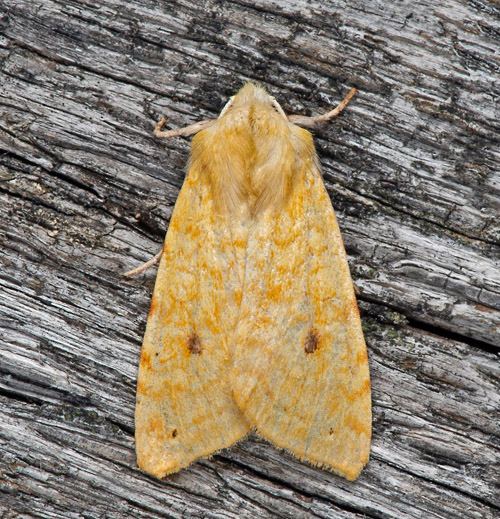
253, 323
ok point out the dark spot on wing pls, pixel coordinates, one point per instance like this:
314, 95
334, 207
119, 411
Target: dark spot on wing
312, 340
194, 344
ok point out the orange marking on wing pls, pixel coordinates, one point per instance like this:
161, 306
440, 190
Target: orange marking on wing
355, 425
194, 231
153, 307
334, 405
145, 360
361, 358
352, 396
156, 426
353, 307
141, 388
238, 294
275, 292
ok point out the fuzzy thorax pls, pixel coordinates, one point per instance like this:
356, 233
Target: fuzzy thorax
251, 156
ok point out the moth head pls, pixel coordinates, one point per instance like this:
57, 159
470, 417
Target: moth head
251, 154
251, 94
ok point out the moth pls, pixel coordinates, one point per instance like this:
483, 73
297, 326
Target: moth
253, 324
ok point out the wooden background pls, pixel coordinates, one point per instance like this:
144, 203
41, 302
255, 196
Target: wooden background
86, 192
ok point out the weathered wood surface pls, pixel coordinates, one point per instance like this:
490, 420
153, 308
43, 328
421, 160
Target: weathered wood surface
86, 192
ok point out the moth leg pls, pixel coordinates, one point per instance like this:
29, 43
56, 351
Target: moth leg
180, 132
301, 120
153, 261
227, 106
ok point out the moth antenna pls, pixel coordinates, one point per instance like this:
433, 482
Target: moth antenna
153, 261
302, 120
180, 132
279, 109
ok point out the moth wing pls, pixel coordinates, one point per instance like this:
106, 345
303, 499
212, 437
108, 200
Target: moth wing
300, 371
184, 404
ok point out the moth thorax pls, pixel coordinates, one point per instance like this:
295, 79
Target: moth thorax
250, 160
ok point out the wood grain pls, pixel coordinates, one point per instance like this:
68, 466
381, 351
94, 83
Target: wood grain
86, 193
